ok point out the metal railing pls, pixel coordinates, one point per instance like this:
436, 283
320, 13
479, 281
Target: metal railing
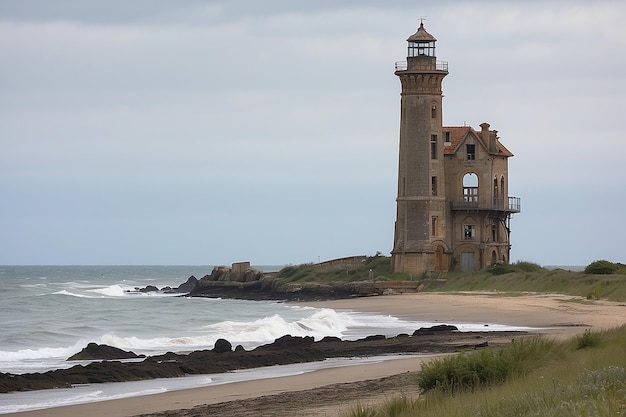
439, 66
513, 205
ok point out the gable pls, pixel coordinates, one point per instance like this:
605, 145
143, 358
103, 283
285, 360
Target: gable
457, 136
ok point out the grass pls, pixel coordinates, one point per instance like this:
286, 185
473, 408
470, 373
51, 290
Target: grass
544, 378
470, 371
375, 267
504, 278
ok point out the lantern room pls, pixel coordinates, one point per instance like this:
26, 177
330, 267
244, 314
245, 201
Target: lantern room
421, 43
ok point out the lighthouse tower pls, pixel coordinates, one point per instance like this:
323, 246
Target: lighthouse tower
421, 211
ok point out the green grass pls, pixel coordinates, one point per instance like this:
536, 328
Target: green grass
470, 371
565, 380
514, 278
373, 268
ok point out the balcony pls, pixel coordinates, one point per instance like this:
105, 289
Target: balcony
439, 66
511, 205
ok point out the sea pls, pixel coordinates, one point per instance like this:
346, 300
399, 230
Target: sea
49, 313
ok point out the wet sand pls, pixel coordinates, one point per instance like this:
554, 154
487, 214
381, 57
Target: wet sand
328, 392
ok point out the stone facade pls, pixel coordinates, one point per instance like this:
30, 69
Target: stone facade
452, 209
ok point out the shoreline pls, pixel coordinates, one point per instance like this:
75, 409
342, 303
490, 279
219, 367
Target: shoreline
556, 315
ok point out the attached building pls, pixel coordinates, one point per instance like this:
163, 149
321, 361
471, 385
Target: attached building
453, 210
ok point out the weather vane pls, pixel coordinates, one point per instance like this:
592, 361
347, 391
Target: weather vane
422, 18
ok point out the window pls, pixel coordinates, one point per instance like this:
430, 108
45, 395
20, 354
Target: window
447, 137
433, 112
433, 185
469, 231
433, 226
494, 233
433, 146
470, 188
470, 194
471, 151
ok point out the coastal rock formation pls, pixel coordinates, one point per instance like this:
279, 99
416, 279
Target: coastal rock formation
187, 286
441, 328
184, 288
285, 350
222, 345
94, 351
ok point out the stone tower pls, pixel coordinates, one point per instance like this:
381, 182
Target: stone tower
421, 210
453, 210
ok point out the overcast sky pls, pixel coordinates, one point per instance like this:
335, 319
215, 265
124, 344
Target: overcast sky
210, 132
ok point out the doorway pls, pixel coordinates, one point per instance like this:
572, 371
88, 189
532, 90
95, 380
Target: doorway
467, 261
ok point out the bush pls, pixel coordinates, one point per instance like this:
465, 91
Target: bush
485, 367
601, 267
588, 339
502, 268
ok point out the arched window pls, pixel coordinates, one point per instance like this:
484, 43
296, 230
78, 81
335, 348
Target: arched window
470, 188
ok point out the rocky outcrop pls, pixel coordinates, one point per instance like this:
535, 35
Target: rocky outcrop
441, 328
285, 350
226, 274
187, 286
184, 288
94, 351
267, 288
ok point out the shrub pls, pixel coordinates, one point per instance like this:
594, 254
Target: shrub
502, 268
485, 367
596, 291
602, 267
588, 339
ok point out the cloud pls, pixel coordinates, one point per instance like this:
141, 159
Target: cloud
208, 131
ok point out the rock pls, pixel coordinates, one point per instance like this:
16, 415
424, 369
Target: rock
441, 328
289, 341
328, 339
187, 286
149, 288
375, 337
94, 351
222, 345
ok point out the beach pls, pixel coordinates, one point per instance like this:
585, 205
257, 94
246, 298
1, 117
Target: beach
327, 392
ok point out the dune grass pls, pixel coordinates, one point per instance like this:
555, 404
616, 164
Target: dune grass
584, 376
513, 278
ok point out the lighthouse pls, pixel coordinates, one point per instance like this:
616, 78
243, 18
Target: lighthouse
419, 238
452, 207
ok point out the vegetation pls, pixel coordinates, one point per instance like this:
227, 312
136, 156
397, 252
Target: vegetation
501, 278
375, 267
485, 367
530, 377
603, 267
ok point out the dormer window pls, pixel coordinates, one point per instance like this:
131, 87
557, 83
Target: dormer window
470, 148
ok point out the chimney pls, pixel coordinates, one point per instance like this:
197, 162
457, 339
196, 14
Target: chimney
488, 139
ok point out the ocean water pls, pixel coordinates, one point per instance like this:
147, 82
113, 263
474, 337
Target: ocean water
48, 313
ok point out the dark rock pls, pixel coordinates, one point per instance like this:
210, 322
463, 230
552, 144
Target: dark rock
222, 345
285, 350
441, 328
239, 348
375, 337
330, 339
187, 286
289, 341
149, 288
93, 351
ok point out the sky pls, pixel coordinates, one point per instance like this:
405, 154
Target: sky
216, 131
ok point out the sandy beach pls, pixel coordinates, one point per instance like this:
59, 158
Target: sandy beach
327, 392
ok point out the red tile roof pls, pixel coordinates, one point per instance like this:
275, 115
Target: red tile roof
458, 135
